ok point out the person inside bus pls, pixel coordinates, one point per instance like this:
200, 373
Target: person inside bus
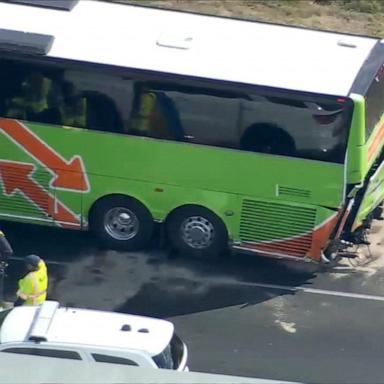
142, 112
167, 121
156, 115
33, 98
73, 108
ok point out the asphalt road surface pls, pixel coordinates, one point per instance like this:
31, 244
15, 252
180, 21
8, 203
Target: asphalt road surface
244, 315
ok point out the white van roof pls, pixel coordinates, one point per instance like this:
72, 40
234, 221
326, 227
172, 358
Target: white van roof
197, 45
58, 325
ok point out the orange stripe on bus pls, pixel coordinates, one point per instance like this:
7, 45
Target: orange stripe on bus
376, 142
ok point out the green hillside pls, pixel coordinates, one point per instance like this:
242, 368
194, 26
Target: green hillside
364, 17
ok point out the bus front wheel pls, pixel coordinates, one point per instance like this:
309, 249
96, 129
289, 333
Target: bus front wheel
197, 232
121, 223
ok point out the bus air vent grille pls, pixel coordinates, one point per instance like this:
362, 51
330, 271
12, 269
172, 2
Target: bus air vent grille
293, 192
277, 228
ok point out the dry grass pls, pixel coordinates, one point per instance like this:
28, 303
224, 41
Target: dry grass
362, 17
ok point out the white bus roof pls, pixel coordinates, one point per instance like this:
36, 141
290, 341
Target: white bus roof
197, 45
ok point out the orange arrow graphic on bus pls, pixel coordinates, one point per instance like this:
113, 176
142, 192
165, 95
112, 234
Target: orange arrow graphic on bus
68, 174
17, 177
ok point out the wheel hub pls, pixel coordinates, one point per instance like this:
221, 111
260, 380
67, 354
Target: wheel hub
121, 223
197, 232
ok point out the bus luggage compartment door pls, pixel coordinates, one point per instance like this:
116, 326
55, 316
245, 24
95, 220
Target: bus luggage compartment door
67, 209
25, 192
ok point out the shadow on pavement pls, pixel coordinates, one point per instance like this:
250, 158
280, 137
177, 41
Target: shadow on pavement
149, 282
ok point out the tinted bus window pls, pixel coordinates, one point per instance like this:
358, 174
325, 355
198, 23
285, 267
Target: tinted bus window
184, 113
315, 130
72, 95
29, 92
276, 125
60, 94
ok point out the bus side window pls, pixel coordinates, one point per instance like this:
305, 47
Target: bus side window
142, 111
10, 81
102, 113
166, 119
198, 115
155, 115
32, 100
100, 94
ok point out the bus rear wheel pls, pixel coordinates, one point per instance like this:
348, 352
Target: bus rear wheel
121, 223
197, 232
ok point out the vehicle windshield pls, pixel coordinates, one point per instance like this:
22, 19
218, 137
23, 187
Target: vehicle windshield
164, 359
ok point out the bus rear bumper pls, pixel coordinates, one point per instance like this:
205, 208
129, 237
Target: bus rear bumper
274, 255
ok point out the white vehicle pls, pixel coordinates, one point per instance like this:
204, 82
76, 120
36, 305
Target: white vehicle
59, 371
92, 336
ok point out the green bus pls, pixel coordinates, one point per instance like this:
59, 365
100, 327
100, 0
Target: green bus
231, 133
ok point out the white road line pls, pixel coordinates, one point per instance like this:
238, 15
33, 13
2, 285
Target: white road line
319, 291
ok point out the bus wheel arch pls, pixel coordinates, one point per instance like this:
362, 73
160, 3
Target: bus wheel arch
121, 222
196, 231
267, 138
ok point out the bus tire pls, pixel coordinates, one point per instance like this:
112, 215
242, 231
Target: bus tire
197, 232
122, 223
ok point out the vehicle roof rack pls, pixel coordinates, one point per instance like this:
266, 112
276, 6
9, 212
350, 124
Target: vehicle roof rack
24, 42
43, 321
61, 5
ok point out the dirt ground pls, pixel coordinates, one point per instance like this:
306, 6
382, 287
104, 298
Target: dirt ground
362, 17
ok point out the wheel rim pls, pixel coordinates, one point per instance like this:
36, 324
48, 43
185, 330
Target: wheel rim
121, 223
197, 232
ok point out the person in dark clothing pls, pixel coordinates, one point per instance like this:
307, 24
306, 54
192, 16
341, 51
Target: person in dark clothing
6, 250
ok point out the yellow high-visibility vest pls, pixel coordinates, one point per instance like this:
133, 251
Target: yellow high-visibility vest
33, 287
35, 101
147, 105
75, 116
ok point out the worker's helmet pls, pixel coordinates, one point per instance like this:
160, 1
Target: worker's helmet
32, 260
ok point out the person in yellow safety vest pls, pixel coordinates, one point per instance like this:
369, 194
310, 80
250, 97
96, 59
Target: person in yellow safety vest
157, 116
34, 97
74, 113
73, 109
145, 112
33, 286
